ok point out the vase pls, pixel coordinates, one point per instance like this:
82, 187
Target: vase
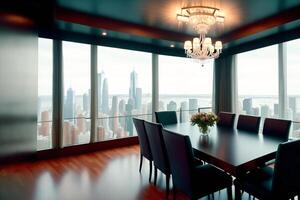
204, 129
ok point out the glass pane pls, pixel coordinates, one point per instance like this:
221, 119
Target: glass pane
77, 93
124, 90
184, 85
258, 82
45, 73
293, 82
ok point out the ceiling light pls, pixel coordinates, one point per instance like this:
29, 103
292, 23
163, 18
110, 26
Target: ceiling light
104, 33
201, 18
202, 48
172, 45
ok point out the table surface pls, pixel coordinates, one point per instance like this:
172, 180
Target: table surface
229, 149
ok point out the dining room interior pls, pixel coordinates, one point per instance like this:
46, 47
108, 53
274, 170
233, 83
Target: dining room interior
140, 100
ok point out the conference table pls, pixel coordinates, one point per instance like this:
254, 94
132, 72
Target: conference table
235, 151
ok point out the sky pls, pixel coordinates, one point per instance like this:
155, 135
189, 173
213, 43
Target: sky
257, 70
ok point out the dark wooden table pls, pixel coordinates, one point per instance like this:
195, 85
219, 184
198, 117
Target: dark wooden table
232, 150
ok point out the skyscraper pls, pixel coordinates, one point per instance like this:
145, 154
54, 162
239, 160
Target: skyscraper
105, 97
138, 98
128, 120
86, 103
100, 85
113, 113
247, 105
133, 86
69, 104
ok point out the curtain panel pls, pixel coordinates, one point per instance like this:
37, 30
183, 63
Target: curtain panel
225, 84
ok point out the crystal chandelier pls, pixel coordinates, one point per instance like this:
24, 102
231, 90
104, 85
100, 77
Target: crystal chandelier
201, 18
202, 48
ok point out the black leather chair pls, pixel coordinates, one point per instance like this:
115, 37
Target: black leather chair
159, 153
166, 117
194, 181
277, 128
282, 182
248, 123
226, 119
144, 143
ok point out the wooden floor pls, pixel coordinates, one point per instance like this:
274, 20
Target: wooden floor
105, 175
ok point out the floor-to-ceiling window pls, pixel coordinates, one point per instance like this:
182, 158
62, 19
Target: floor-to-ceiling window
293, 85
184, 85
76, 104
257, 74
44, 115
124, 90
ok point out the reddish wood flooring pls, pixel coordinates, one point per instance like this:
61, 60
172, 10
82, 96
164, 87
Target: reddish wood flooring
105, 175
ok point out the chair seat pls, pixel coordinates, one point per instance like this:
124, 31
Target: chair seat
209, 179
257, 182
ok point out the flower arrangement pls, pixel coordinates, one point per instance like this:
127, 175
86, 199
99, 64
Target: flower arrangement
204, 120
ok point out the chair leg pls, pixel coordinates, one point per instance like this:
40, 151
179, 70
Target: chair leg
174, 191
150, 165
167, 185
141, 163
229, 193
155, 175
237, 193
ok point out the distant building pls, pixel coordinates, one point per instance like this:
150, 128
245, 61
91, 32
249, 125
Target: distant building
81, 123
128, 120
255, 111
193, 105
69, 107
265, 111
100, 88
184, 117
276, 109
172, 106
45, 125
161, 105
247, 105
122, 106
113, 113
86, 103
105, 97
133, 86
138, 98
100, 136
293, 105
122, 112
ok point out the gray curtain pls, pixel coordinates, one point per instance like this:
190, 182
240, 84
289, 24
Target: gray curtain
225, 84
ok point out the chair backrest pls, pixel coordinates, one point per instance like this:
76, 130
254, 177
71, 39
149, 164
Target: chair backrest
157, 145
180, 155
286, 177
226, 119
277, 128
143, 138
166, 117
248, 123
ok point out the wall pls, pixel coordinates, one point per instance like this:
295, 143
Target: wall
18, 92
